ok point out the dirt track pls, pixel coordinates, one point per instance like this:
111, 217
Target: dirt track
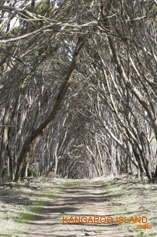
78, 199
36, 209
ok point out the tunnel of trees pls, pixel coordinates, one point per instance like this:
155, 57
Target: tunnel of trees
78, 87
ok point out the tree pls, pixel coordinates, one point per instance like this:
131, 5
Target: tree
85, 70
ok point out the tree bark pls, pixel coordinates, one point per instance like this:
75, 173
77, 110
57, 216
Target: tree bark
36, 135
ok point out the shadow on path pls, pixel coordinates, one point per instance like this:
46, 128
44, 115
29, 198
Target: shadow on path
83, 199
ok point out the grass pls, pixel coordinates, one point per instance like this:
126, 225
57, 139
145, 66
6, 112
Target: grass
134, 198
24, 203
35, 209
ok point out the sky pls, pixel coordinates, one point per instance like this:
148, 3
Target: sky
15, 21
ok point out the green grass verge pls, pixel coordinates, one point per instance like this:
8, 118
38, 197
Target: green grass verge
133, 198
25, 205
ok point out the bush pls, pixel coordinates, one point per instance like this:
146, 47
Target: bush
5, 174
123, 169
32, 172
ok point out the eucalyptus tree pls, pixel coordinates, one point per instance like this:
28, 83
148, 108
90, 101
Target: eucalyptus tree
31, 96
49, 47
39, 38
126, 56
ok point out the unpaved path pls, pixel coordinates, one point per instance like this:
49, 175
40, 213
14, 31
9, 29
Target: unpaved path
76, 199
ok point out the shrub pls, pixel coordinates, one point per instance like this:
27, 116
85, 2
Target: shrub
32, 172
123, 168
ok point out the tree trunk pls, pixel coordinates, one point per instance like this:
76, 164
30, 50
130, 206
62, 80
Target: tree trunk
36, 135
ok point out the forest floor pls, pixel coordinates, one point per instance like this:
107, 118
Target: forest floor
38, 208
